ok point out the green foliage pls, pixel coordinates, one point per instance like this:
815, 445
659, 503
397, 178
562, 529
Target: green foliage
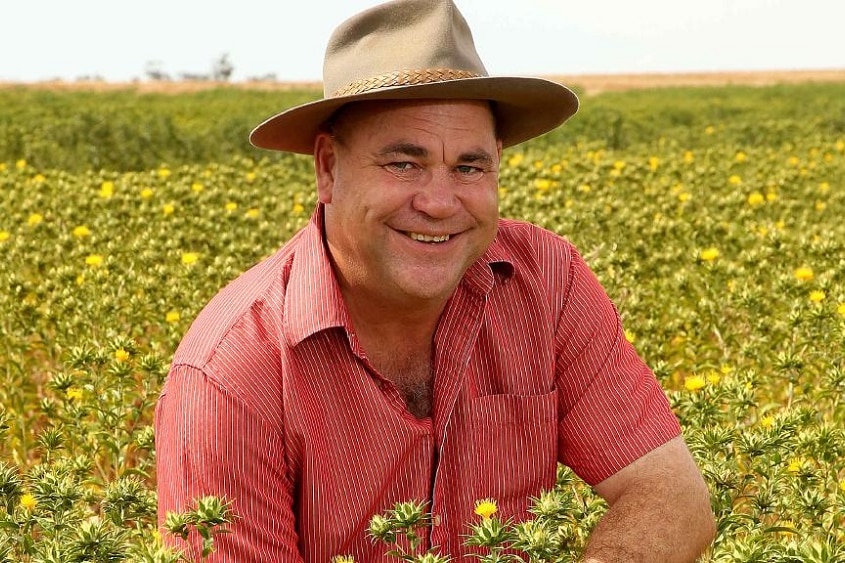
712, 217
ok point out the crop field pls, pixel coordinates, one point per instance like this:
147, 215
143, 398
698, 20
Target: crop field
714, 217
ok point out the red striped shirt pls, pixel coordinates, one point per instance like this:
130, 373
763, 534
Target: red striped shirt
271, 402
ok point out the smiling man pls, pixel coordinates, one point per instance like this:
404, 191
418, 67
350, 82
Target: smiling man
409, 344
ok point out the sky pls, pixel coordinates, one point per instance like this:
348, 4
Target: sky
118, 40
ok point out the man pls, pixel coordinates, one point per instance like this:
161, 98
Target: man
410, 345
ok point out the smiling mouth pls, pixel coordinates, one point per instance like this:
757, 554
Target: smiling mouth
428, 238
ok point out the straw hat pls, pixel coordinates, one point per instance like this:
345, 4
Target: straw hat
415, 49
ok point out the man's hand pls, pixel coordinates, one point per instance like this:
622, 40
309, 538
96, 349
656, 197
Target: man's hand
659, 511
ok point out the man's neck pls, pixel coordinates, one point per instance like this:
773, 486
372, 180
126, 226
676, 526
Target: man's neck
380, 321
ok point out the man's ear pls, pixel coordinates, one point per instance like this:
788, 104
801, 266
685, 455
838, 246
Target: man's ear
325, 158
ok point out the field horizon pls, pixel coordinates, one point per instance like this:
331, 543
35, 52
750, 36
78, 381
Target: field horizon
588, 83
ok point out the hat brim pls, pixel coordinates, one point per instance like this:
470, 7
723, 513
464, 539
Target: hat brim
525, 108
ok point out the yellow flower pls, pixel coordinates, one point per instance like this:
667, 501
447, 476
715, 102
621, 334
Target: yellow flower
168, 208
94, 260
172, 317
734, 180
684, 196
516, 159
630, 336
821, 206
252, 213
343, 559
250, 176
817, 296
788, 524
653, 163
840, 145
80, 279
585, 188
688, 157
28, 501
793, 161
755, 199
38, 178
5, 235
842, 485
542, 184
121, 355
709, 254
841, 309
713, 377
106, 189
231, 206
486, 508
35, 219
709, 130
767, 422
771, 196
2, 166
619, 165
73, 393
146, 193
741, 157
824, 187
21, 164
694, 383
189, 258
197, 187
726, 369
81, 231
804, 273
298, 209
163, 172
795, 465
539, 164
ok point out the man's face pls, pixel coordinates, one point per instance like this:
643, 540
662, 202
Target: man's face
411, 196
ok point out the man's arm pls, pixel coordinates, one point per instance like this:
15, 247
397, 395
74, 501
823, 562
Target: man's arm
659, 511
208, 442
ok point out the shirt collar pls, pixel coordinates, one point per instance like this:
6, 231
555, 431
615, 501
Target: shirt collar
313, 301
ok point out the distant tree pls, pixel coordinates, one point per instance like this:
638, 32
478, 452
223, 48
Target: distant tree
154, 72
222, 69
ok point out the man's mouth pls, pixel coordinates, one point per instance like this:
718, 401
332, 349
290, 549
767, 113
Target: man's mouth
428, 238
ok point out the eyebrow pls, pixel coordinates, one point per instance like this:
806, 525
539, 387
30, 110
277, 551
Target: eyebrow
410, 149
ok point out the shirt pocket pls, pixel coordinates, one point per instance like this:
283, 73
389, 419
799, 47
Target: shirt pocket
514, 438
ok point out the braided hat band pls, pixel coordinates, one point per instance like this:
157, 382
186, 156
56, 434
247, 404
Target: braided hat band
403, 78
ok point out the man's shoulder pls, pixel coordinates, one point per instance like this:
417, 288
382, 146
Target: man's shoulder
528, 242
251, 302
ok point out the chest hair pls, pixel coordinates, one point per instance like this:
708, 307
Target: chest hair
413, 376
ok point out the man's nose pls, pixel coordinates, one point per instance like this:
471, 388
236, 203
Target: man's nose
438, 197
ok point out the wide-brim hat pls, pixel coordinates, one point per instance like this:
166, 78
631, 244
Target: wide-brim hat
412, 50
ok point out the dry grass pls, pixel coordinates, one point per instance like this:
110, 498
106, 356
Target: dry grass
590, 83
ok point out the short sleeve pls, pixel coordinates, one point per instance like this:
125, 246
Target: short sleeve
210, 443
612, 409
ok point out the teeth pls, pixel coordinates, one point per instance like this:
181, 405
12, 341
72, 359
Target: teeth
427, 238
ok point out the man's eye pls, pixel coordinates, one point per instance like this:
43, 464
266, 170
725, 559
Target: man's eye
467, 170
400, 166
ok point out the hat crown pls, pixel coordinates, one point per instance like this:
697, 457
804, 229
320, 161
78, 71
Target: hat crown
405, 36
